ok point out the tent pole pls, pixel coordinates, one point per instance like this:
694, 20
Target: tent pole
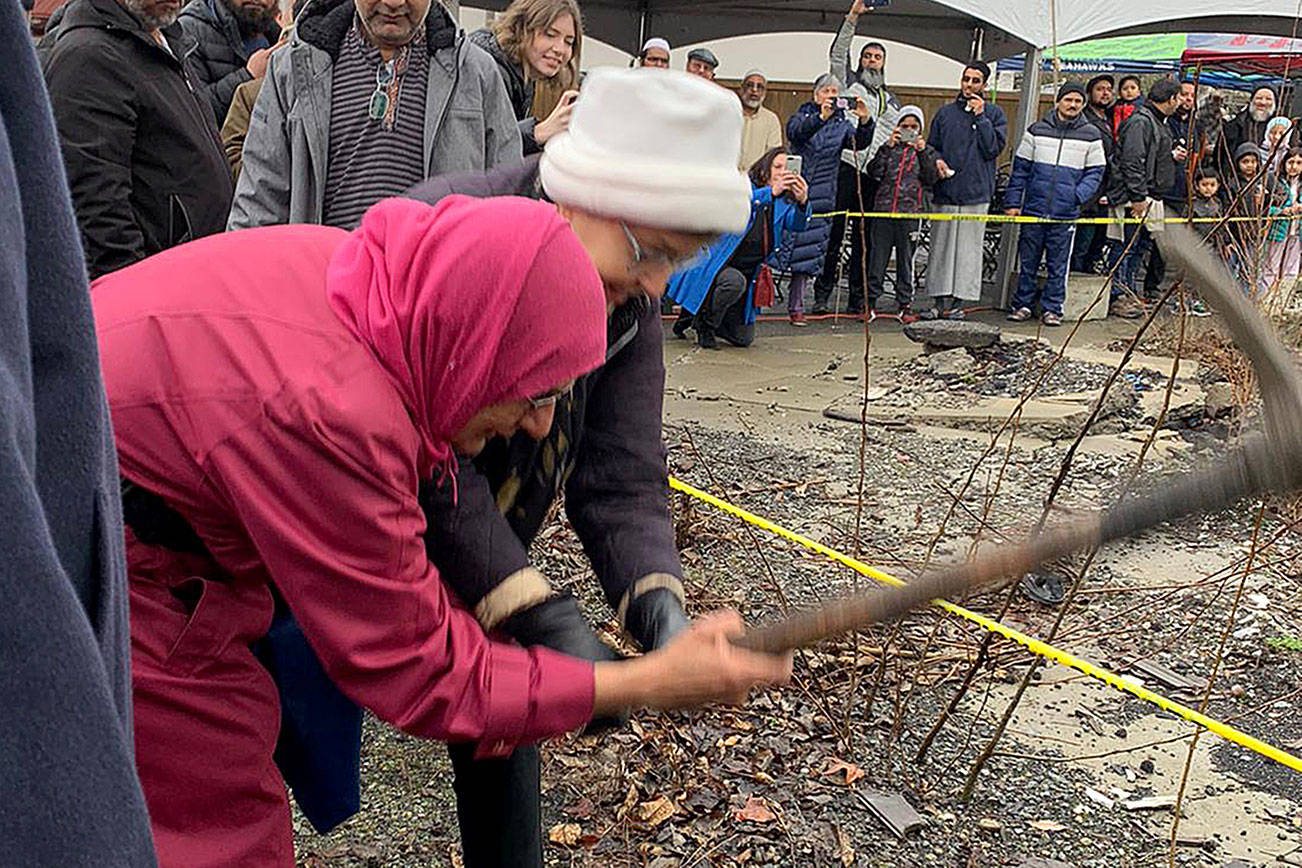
978, 51
641, 28
1027, 108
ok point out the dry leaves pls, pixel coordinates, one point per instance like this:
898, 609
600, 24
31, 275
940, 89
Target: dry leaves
852, 771
656, 811
843, 849
1046, 825
565, 834
756, 810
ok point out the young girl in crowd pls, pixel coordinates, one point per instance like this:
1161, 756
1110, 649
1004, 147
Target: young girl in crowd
902, 169
1276, 143
1129, 97
1284, 246
532, 41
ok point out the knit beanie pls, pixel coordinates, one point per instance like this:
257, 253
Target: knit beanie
1071, 87
654, 148
1089, 85
915, 111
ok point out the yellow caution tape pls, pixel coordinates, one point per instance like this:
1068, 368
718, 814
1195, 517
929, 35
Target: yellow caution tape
1019, 218
1035, 646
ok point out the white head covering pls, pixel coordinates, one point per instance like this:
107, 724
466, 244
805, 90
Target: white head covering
658, 148
753, 73
655, 42
912, 110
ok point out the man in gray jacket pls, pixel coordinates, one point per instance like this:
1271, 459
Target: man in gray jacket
369, 98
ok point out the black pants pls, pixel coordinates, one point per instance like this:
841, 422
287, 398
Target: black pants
892, 235
847, 199
498, 807
723, 311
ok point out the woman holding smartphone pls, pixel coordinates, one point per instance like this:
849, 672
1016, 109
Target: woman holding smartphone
537, 40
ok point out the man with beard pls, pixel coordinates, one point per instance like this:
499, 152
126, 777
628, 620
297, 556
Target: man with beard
144, 162
368, 98
234, 40
1092, 238
853, 184
761, 131
1249, 125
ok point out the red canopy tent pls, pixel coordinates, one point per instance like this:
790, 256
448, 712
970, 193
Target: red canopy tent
1274, 56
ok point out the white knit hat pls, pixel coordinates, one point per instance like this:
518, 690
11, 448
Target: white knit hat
653, 147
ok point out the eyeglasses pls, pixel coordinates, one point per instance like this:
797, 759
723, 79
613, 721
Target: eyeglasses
550, 398
644, 259
384, 75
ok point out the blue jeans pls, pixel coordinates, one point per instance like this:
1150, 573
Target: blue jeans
1124, 278
1051, 242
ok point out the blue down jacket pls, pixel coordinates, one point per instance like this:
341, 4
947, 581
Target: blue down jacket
1057, 169
819, 142
690, 287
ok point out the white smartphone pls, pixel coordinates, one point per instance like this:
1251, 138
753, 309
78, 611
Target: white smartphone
794, 163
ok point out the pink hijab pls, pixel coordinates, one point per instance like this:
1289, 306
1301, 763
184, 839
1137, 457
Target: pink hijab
468, 303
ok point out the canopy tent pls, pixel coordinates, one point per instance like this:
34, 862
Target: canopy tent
1159, 54
1264, 55
955, 29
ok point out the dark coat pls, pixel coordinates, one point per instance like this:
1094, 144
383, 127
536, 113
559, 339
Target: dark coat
819, 143
1179, 124
70, 795
901, 175
518, 87
144, 160
220, 51
970, 144
1142, 167
604, 451
1242, 128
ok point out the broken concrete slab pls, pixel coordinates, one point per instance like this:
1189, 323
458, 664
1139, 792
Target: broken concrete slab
947, 334
1169, 678
951, 363
895, 813
1219, 400
1149, 803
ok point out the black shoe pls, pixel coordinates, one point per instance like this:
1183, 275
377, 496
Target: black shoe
820, 309
705, 338
680, 328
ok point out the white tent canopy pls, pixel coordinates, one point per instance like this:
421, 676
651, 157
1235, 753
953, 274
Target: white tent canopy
997, 28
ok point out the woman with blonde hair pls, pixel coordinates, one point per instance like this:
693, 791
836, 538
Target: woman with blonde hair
537, 40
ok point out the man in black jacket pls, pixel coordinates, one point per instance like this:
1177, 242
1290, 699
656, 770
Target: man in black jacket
233, 42
1143, 174
141, 149
1091, 238
604, 449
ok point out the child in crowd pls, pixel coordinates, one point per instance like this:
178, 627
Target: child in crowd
1276, 144
1283, 246
902, 169
1208, 206
1247, 194
1130, 96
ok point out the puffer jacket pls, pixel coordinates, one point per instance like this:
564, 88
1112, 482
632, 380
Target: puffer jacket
1142, 167
519, 87
970, 145
221, 51
689, 288
902, 174
1057, 169
818, 142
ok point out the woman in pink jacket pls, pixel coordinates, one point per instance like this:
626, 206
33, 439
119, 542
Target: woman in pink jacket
286, 390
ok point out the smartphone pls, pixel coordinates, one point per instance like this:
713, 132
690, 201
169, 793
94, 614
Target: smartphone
876, 4
795, 164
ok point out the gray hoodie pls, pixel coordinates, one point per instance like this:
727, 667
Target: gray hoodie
469, 123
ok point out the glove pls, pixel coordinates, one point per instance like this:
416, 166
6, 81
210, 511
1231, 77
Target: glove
655, 617
558, 624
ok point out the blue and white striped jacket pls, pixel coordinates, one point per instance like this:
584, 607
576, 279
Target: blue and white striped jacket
1057, 169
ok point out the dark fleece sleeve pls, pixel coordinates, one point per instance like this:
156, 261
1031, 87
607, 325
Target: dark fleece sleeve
618, 496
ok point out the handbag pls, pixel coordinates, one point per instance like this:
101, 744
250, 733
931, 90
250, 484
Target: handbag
765, 286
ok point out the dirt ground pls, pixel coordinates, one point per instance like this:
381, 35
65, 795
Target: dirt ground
787, 780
